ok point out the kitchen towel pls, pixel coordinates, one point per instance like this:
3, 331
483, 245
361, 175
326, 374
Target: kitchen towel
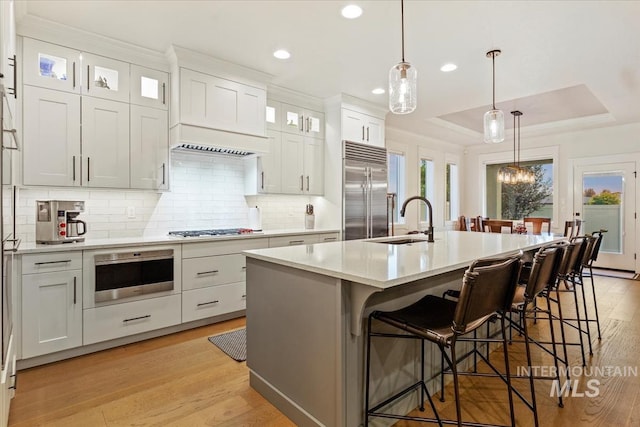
255, 219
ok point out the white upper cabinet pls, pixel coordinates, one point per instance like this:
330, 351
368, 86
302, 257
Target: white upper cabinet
270, 165
51, 66
149, 148
363, 128
51, 144
149, 88
105, 143
303, 165
61, 68
105, 78
217, 103
302, 121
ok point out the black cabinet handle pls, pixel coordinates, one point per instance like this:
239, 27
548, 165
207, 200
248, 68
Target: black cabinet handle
163, 173
14, 90
52, 262
88, 169
74, 290
207, 303
163, 93
202, 273
73, 73
15, 382
146, 316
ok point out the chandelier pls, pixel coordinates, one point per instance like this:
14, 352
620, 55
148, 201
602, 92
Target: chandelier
514, 173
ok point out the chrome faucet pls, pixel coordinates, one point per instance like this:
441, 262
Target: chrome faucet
429, 231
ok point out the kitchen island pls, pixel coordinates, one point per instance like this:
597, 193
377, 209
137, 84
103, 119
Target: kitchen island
306, 307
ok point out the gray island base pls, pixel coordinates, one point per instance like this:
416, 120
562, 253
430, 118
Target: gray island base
307, 307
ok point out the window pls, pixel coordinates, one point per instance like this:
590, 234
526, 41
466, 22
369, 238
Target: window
396, 182
452, 192
516, 201
427, 180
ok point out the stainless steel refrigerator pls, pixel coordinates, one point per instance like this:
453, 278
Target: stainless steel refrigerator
364, 211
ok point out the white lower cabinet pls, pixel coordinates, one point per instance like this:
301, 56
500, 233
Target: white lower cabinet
51, 312
8, 382
119, 320
213, 301
213, 277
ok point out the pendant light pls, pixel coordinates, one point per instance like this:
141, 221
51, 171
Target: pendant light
514, 173
494, 118
403, 79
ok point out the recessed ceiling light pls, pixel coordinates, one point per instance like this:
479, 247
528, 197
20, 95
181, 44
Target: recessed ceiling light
377, 91
282, 54
351, 11
448, 67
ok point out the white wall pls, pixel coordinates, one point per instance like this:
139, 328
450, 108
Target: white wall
414, 148
206, 192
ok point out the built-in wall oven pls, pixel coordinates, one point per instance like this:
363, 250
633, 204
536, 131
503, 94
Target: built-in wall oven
130, 274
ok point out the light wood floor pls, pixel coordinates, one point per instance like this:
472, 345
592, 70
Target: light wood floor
183, 380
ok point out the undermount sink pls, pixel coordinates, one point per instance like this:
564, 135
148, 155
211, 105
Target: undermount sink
401, 241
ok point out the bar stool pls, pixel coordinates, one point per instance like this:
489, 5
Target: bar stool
537, 278
588, 264
568, 275
487, 291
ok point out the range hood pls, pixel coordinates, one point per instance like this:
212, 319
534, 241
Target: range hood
186, 137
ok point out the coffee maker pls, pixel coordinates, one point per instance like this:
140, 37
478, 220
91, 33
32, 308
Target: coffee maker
57, 221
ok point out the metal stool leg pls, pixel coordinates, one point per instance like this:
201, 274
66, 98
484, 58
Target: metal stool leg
366, 381
595, 303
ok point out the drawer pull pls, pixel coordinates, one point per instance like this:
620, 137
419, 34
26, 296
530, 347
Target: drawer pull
244, 267
53, 262
244, 296
146, 316
330, 239
296, 242
202, 273
207, 303
15, 382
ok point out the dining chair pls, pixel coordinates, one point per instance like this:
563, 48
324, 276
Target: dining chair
538, 224
498, 226
463, 224
572, 228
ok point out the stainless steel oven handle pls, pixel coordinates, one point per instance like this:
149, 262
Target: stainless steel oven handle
146, 316
202, 273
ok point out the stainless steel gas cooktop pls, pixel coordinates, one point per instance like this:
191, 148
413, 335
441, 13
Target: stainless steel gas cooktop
214, 232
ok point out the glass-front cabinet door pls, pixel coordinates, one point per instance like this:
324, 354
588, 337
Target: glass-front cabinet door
149, 88
105, 78
273, 115
51, 66
314, 123
299, 120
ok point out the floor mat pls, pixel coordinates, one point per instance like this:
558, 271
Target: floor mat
233, 343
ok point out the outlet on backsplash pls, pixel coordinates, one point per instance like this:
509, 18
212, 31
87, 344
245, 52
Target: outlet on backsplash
131, 212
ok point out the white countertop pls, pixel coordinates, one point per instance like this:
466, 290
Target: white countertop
26, 248
387, 265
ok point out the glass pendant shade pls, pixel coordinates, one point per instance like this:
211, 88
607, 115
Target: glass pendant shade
493, 126
403, 88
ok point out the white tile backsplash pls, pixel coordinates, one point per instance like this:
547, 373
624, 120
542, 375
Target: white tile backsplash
206, 192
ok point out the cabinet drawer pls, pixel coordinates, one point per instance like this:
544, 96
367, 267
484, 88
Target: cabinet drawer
213, 270
328, 237
213, 301
305, 239
191, 250
119, 320
58, 261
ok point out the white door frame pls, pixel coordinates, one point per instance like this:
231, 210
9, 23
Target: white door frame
597, 160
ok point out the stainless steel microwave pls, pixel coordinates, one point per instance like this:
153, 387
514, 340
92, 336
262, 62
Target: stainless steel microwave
128, 274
